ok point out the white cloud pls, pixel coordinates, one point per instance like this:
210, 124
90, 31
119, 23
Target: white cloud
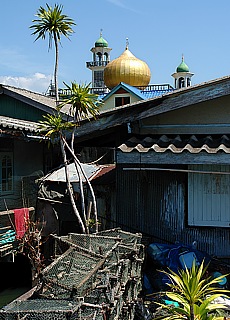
117, 3
121, 4
37, 82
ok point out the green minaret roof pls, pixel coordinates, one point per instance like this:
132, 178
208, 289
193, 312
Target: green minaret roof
101, 42
182, 67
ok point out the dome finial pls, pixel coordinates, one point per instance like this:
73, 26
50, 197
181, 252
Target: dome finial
101, 32
182, 57
127, 44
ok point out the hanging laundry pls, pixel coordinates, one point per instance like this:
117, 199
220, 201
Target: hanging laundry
21, 217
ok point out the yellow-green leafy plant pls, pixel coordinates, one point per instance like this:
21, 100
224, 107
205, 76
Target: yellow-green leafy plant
195, 292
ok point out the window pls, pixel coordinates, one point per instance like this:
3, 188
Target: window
209, 196
6, 172
181, 83
120, 101
99, 56
98, 78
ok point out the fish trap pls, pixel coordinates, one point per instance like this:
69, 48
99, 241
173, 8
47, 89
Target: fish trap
73, 273
40, 309
127, 238
93, 244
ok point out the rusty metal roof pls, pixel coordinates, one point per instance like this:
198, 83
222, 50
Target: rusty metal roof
17, 124
178, 144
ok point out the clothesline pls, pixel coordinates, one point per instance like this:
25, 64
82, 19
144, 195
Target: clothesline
2, 213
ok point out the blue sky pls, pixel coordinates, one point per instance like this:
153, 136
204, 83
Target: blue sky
159, 32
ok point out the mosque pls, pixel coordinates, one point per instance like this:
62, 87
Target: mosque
126, 79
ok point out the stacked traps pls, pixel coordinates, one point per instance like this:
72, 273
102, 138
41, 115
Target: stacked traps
95, 276
123, 269
115, 281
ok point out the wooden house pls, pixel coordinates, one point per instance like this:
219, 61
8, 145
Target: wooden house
172, 156
24, 156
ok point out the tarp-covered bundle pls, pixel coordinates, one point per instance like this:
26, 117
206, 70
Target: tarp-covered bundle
162, 256
54, 210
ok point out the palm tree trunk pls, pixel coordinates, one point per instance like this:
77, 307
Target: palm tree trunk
69, 188
56, 68
192, 317
82, 196
89, 184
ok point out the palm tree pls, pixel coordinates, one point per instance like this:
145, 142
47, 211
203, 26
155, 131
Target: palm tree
54, 23
84, 105
54, 127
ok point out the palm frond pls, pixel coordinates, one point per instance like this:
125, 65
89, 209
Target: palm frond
51, 21
84, 105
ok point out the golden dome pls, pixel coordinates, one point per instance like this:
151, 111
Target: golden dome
128, 69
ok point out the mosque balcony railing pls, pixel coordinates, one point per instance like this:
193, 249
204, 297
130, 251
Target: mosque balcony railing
96, 64
63, 93
156, 87
103, 89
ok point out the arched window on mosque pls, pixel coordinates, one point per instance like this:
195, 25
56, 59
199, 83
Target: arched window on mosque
99, 56
181, 82
6, 173
106, 56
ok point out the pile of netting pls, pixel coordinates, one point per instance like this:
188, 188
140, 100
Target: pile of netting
95, 276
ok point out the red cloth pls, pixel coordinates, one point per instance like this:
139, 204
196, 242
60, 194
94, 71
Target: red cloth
21, 216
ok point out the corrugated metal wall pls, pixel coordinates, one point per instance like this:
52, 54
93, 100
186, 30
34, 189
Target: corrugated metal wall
155, 203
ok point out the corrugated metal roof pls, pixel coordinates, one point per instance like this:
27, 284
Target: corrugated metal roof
17, 124
33, 98
148, 94
143, 94
104, 170
178, 144
92, 171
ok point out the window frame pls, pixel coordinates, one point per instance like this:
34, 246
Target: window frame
122, 101
9, 170
208, 196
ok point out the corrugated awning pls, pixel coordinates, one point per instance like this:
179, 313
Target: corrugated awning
18, 124
178, 144
92, 171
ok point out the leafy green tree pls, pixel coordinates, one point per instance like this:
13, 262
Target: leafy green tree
53, 23
195, 293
